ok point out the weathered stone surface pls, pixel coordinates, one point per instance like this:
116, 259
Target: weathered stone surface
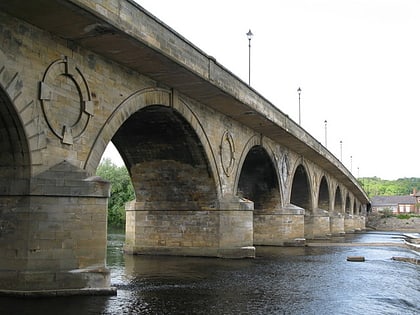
215, 166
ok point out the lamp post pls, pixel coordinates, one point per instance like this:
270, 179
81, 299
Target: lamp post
249, 35
299, 90
325, 122
341, 150
351, 163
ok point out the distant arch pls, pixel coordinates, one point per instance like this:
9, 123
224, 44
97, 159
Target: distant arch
300, 189
258, 180
338, 200
324, 195
348, 205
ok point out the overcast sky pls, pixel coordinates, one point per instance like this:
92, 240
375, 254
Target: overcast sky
356, 61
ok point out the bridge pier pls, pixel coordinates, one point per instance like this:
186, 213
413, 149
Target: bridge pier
184, 231
349, 223
362, 220
359, 223
54, 242
279, 227
337, 224
317, 224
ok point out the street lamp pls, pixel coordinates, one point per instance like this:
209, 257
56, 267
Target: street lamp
249, 35
325, 122
341, 150
299, 90
351, 163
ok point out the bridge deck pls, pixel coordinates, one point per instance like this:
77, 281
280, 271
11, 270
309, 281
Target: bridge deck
152, 48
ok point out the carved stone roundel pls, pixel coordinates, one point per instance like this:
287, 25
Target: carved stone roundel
227, 153
65, 100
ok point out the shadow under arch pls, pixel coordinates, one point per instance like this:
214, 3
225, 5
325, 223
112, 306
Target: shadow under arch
258, 180
135, 102
166, 160
324, 194
338, 201
15, 159
16, 214
300, 194
348, 205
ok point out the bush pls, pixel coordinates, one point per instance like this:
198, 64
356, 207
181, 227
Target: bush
403, 216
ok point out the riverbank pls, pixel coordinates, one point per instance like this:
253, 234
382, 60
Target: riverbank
383, 223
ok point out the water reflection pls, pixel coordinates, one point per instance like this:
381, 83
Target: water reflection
296, 280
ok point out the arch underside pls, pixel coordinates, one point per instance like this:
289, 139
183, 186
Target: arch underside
338, 201
324, 195
14, 153
165, 159
301, 193
258, 181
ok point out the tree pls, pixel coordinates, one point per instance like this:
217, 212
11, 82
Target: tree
375, 186
121, 191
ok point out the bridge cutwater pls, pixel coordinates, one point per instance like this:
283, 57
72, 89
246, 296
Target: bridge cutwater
217, 169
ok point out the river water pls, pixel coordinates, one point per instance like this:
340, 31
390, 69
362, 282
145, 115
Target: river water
297, 280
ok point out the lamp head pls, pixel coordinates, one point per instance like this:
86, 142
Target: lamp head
249, 34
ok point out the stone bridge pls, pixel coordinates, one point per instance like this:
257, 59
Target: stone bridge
216, 168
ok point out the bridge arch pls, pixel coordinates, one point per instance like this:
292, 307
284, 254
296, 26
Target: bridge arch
258, 180
165, 159
301, 190
324, 194
257, 151
16, 215
338, 200
135, 103
177, 187
14, 156
348, 205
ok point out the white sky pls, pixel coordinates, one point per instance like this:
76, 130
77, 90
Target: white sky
356, 61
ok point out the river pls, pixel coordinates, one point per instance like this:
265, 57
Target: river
294, 280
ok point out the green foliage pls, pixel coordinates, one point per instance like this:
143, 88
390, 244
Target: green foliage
375, 186
407, 216
121, 191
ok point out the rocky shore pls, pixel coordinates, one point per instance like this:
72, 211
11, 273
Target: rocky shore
382, 223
